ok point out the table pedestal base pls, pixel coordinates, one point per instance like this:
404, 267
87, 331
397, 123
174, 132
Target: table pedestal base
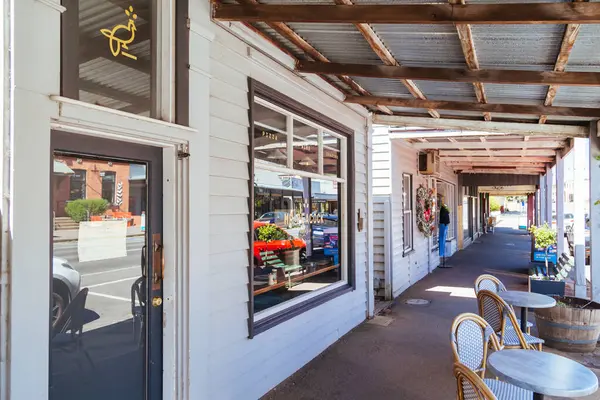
524, 320
537, 396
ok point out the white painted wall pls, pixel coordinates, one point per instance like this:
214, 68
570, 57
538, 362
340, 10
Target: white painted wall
239, 367
391, 159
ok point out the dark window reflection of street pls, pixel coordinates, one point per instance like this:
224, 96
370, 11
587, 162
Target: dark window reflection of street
99, 253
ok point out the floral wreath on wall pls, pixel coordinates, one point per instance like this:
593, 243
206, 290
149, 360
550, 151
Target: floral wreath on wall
425, 212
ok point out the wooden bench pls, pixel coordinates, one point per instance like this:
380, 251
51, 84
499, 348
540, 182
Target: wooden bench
565, 264
284, 271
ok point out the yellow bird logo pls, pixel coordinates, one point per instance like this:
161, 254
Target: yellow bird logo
117, 44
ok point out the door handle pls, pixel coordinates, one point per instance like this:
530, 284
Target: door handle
143, 261
158, 264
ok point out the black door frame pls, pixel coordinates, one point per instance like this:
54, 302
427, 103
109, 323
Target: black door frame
152, 157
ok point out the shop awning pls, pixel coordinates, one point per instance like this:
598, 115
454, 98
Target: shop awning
62, 169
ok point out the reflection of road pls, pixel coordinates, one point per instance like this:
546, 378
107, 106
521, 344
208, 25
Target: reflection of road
109, 281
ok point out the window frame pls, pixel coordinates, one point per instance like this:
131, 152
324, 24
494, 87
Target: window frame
294, 307
169, 76
409, 211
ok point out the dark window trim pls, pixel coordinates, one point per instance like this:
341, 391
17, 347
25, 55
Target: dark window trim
182, 63
408, 250
258, 89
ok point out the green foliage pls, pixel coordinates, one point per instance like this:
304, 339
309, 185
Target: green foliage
494, 204
544, 236
268, 233
79, 210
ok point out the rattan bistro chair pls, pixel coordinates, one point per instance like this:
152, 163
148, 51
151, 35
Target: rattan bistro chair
504, 322
493, 284
471, 339
471, 387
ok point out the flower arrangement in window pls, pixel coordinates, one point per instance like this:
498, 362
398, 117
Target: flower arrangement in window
425, 210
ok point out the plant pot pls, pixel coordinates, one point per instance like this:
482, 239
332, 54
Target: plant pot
547, 287
568, 328
291, 257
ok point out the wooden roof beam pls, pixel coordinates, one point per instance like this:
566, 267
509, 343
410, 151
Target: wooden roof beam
505, 13
571, 33
464, 106
387, 57
520, 77
546, 144
287, 32
465, 35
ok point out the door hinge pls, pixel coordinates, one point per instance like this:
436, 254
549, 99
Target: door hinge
183, 152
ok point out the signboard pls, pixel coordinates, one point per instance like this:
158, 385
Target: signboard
539, 255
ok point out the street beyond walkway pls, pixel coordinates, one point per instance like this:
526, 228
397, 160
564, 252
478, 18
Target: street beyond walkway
411, 358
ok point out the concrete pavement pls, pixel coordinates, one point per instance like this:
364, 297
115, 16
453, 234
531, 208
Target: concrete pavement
411, 358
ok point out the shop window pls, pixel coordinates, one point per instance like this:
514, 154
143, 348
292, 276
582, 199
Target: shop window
108, 185
300, 239
407, 212
77, 184
109, 55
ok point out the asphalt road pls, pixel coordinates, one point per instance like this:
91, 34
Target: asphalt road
109, 281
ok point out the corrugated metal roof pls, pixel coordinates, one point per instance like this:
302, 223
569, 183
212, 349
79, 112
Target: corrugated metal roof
338, 42
517, 94
384, 87
447, 90
578, 96
532, 47
585, 55
423, 45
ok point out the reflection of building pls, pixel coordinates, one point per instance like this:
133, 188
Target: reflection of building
123, 185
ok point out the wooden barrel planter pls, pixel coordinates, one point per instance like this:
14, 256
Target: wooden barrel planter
572, 325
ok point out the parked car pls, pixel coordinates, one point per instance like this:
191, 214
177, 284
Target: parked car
320, 231
275, 245
569, 234
568, 217
66, 283
273, 217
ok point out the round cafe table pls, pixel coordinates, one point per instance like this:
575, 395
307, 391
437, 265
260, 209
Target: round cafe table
543, 373
526, 300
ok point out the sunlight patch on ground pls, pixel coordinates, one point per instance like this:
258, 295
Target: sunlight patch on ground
455, 291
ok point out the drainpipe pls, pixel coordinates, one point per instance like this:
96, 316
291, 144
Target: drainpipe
549, 190
595, 210
370, 290
579, 217
560, 204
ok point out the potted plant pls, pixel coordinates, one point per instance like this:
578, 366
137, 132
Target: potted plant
572, 325
544, 249
289, 252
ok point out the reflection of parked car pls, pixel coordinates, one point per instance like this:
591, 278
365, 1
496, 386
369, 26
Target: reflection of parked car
569, 235
274, 217
321, 230
569, 220
275, 245
65, 285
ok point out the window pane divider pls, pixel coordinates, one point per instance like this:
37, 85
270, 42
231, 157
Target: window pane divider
290, 140
270, 127
289, 171
320, 151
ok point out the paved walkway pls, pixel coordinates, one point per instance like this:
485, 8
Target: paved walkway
411, 358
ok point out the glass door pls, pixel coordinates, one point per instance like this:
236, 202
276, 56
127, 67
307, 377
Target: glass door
107, 270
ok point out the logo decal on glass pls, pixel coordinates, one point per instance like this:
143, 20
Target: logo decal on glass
117, 44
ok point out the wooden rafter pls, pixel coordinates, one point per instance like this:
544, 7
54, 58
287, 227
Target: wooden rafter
464, 106
515, 144
387, 57
509, 13
510, 160
465, 35
287, 32
454, 74
571, 33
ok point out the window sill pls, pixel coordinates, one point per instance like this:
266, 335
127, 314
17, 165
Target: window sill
289, 313
408, 253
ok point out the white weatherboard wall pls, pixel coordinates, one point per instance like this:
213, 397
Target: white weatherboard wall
238, 367
391, 159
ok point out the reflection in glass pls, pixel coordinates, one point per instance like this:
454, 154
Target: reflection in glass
296, 237
331, 155
306, 147
98, 340
270, 138
107, 53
